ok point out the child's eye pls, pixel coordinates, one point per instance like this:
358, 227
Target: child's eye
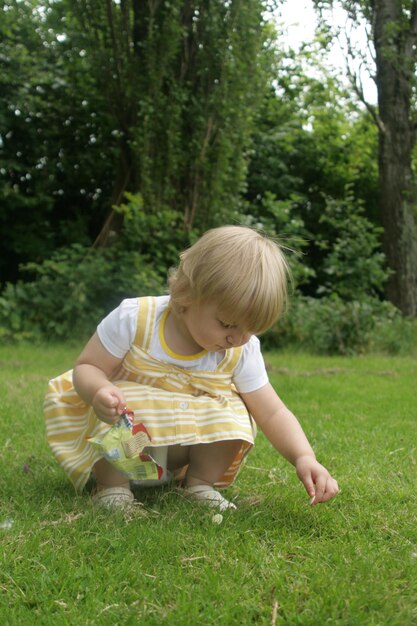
225, 325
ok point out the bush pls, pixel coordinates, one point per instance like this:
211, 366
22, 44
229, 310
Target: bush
159, 237
354, 266
67, 295
348, 316
279, 220
71, 292
332, 326
395, 335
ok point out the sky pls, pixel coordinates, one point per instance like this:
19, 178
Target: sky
299, 20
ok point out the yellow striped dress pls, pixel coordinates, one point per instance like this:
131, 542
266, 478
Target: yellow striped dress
176, 405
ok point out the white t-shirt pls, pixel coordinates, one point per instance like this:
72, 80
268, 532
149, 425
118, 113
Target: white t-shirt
117, 332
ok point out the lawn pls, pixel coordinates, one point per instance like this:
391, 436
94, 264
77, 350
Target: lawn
273, 561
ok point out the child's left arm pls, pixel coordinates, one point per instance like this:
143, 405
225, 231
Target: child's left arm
283, 430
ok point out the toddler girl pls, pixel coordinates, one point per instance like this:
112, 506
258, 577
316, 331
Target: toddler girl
189, 366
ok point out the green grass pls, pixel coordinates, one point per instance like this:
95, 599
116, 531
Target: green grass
352, 561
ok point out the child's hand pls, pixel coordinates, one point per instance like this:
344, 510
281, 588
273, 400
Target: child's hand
108, 403
316, 480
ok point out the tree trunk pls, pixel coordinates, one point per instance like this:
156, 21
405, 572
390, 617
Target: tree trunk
397, 136
114, 221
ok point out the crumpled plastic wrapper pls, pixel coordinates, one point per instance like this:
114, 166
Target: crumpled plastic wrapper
123, 446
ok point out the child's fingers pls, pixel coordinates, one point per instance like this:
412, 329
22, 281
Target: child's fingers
331, 489
108, 407
107, 415
317, 481
117, 399
109, 403
309, 484
112, 398
320, 488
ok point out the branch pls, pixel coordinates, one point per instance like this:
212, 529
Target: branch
356, 82
116, 53
412, 33
127, 28
413, 19
190, 211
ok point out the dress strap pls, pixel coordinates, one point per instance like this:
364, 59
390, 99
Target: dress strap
145, 321
230, 360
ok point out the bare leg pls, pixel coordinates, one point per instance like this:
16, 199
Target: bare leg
209, 461
178, 456
107, 476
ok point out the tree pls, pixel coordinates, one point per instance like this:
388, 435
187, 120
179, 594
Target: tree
311, 141
395, 40
57, 149
99, 99
394, 34
182, 81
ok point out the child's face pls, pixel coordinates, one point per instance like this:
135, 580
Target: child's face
211, 330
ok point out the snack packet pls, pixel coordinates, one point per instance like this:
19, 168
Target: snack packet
123, 446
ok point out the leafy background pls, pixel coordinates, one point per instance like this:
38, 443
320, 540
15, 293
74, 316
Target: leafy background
126, 131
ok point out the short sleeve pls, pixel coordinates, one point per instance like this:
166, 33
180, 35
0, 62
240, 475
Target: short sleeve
117, 331
250, 373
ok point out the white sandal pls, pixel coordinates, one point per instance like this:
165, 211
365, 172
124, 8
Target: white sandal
113, 498
209, 496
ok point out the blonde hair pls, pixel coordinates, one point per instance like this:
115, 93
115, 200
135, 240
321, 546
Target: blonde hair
239, 268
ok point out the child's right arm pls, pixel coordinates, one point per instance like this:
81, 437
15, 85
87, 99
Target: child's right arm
91, 376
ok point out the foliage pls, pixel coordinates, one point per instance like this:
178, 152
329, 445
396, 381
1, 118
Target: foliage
345, 317
280, 220
330, 325
312, 137
311, 143
353, 266
56, 142
392, 28
157, 236
394, 334
155, 98
72, 291
162, 99
67, 295
182, 90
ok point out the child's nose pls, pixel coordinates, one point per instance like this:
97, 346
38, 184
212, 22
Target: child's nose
230, 340
237, 338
